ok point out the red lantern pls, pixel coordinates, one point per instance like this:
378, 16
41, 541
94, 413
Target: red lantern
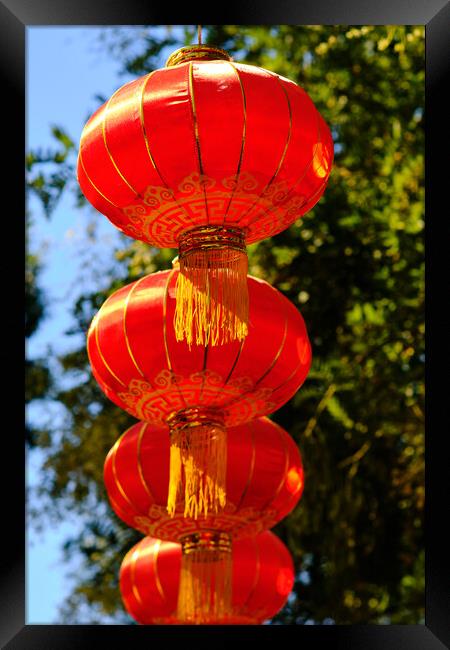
262, 578
143, 369
206, 155
264, 482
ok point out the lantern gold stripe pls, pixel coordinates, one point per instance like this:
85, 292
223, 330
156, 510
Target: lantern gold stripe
112, 373
130, 603
280, 349
147, 144
256, 579
286, 381
117, 508
194, 114
284, 475
289, 134
272, 364
312, 157
116, 478
139, 464
92, 329
127, 299
134, 586
231, 371
94, 185
251, 469
155, 568
244, 131
205, 363
234, 362
105, 112
132, 357
166, 346
322, 185
318, 191
141, 115
196, 133
305, 171
286, 146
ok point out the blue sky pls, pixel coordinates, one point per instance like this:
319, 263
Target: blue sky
66, 69
63, 74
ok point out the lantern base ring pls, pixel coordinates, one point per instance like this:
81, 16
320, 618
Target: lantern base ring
209, 541
211, 237
194, 417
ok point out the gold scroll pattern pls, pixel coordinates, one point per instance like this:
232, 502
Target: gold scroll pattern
160, 217
245, 522
171, 392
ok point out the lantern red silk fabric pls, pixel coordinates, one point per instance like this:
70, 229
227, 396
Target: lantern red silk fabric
262, 578
264, 481
205, 142
206, 155
143, 369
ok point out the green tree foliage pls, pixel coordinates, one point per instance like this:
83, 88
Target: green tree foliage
48, 174
37, 374
354, 266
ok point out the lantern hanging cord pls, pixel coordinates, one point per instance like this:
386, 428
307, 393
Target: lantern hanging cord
199, 34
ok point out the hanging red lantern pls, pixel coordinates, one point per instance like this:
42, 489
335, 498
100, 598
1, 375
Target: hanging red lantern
262, 576
143, 369
264, 482
207, 156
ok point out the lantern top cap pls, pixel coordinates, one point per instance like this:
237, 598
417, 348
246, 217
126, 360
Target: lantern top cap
197, 53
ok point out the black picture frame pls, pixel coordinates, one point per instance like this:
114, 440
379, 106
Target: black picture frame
15, 16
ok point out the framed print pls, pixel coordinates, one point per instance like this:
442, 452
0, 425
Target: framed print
17, 17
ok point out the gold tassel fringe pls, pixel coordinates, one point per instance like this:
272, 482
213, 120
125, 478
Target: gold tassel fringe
205, 591
198, 461
211, 293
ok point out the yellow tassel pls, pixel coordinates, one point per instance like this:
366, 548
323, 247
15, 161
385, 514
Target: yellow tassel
205, 591
211, 294
198, 461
